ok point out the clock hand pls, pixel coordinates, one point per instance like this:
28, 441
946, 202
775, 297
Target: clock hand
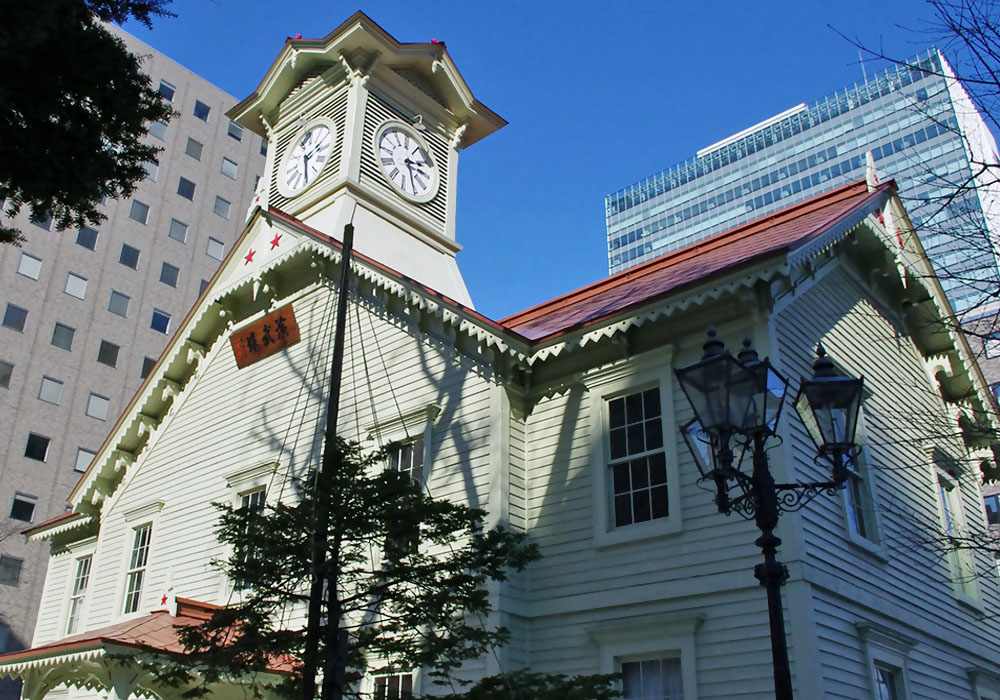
305, 166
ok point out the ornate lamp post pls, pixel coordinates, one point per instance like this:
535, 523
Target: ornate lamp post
737, 403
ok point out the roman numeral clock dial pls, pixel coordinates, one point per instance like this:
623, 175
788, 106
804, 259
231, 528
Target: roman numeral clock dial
406, 162
305, 160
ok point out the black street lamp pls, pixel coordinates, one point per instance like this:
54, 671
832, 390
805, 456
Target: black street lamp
737, 403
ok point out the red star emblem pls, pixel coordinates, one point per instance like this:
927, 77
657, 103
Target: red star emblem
249, 257
163, 600
276, 241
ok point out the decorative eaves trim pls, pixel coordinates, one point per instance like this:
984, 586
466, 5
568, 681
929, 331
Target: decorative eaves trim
408, 423
56, 659
40, 534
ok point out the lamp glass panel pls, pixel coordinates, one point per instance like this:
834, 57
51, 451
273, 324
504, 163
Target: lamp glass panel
768, 399
833, 403
719, 390
698, 443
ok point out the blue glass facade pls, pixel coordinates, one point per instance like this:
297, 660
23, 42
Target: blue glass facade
913, 120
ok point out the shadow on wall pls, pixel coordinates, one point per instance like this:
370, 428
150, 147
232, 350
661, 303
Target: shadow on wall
9, 689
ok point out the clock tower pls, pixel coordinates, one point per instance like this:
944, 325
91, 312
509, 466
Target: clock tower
362, 128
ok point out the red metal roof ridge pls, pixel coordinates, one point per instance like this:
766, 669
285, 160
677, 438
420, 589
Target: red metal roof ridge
52, 521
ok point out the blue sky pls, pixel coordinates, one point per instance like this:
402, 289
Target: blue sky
598, 95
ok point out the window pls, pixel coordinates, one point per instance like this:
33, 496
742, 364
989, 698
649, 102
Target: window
169, 274
118, 303
167, 90
51, 390
263, 146
76, 286
137, 567
201, 110
963, 573
147, 366
888, 684
185, 188
202, 286
396, 686
992, 504
87, 237
139, 211
15, 317
62, 336
654, 679
235, 131
23, 507
6, 370
45, 223
408, 457
129, 256
10, 570
859, 501
221, 207
29, 266
37, 447
83, 459
194, 148
152, 169
178, 230
887, 652
81, 579
161, 321
158, 130
229, 168
107, 354
215, 249
637, 460
254, 502
97, 406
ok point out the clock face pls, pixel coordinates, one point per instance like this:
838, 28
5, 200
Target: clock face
406, 162
305, 161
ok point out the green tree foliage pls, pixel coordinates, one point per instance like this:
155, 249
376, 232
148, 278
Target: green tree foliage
74, 105
410, 572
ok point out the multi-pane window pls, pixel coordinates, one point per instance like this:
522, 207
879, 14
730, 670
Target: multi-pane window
235, 131
147, 366
83, 459
37, 447
29, 266
23, 507
118, 303
160, 321
858, 497
408, 458
396, 686
76, 286
167, 90
201, 110
215, 249
87, 237
81, 581
178, 230
51, 390
194, 148
637, 459
253, 500
158, 129
97, 406
888, 684
129, 257
221, 207
15, 317
107, 354
6, 370
992, 504
62, 336
10, 570
169, 274
960, 558
655, 679
137, 568
139, 211
229, 168
185, 188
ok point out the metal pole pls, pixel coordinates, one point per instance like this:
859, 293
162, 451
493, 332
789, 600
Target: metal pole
772, 574
321, 513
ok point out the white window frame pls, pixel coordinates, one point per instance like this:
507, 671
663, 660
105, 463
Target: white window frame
406, 427
886, 647
136, 518
76, 600
985, 683
371, 679
208, 248
628, 377
867, 483
223, 204
233, 166
961, 562
244, 481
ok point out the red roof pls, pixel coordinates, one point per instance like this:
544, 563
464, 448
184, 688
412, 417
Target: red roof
783, 231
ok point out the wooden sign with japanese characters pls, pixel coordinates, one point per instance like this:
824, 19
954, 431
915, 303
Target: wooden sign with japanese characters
265, 336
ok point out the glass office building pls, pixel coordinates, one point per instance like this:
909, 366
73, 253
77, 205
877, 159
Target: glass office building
922, 130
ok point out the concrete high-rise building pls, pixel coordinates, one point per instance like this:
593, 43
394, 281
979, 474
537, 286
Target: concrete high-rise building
922, 130
86, 312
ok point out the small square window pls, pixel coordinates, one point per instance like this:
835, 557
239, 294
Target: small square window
87, 237
151, 169
6, 370
185, 188
45, 223
263, 146
167, 91
76, 286
29, 266
147, 366
201, 110
169, 274
178, 230
129, 256
37, 447
107, 354
15, 317
229, 168
202, 286
10, 570
194, 148
221, 207
118, 303
97, 406
235, 131
139, 211
83, 459
62, 336
215, 249
50, 390
161, 321
992, 504
158, 130
23, 507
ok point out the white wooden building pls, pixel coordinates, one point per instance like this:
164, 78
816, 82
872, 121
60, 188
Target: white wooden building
513, 416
